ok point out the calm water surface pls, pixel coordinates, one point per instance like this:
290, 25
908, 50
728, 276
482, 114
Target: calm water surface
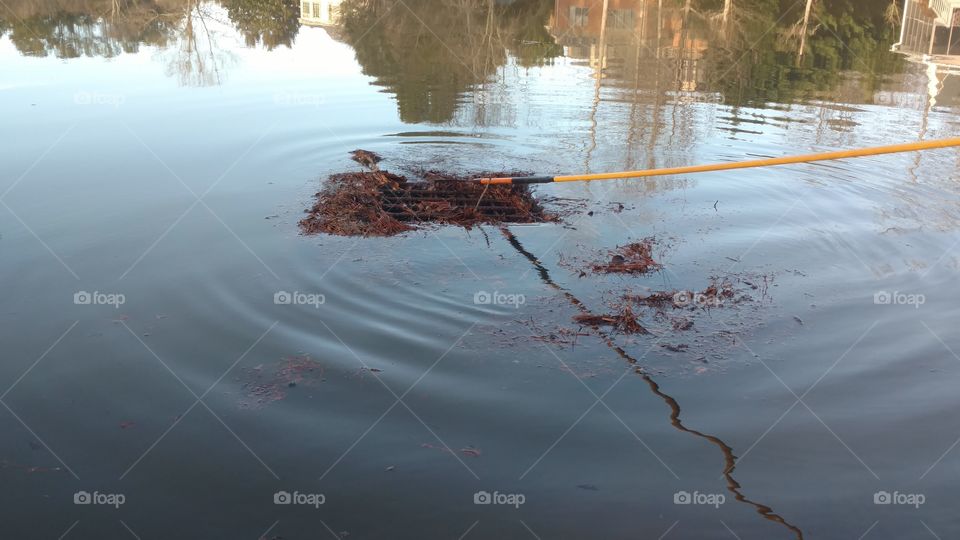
166, 152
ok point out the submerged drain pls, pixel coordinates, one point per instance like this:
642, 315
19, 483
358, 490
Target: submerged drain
430, 202
380, 203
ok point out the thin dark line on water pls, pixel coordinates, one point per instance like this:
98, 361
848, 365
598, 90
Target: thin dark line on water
666, 532
462, 536
266, 532
730, 459
65, 533
728, 456
127, 527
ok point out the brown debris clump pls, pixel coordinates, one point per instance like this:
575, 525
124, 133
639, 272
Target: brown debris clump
350, 206
635, 258
366, 158
625, 321
380, 203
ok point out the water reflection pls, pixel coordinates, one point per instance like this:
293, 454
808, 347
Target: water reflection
324, 13
195, 57
272, 23
432, 54
737, 53
75, 28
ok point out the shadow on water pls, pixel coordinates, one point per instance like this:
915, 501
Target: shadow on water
729, 458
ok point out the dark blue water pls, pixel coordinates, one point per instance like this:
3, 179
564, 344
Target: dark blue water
150, 201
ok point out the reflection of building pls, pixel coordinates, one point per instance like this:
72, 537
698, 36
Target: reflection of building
914, 90
319, 12
635, 30
586, 17
928, 28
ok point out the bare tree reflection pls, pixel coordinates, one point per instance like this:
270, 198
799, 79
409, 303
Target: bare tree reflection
185, 31
194, 56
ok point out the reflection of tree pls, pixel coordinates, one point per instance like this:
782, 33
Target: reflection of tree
851, 34
271, 22
429, 52
74, 28
184, 29
529, 40
843, 35
107, 28
196, 59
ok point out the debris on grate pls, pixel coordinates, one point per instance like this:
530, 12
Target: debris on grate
380, 203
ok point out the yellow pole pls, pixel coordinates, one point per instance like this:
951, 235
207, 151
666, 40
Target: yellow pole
808, 158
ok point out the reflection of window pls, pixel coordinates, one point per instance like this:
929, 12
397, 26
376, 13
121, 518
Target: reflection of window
316, 11
578, 16
306, 9
621, 18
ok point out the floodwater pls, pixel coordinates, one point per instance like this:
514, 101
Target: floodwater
178, 356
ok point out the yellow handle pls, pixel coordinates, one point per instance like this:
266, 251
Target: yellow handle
842, 154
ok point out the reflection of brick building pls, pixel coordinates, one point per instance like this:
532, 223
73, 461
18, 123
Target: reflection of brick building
577, 24
636, 30
585, 16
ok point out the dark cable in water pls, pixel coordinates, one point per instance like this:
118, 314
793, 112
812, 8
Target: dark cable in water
730, 459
